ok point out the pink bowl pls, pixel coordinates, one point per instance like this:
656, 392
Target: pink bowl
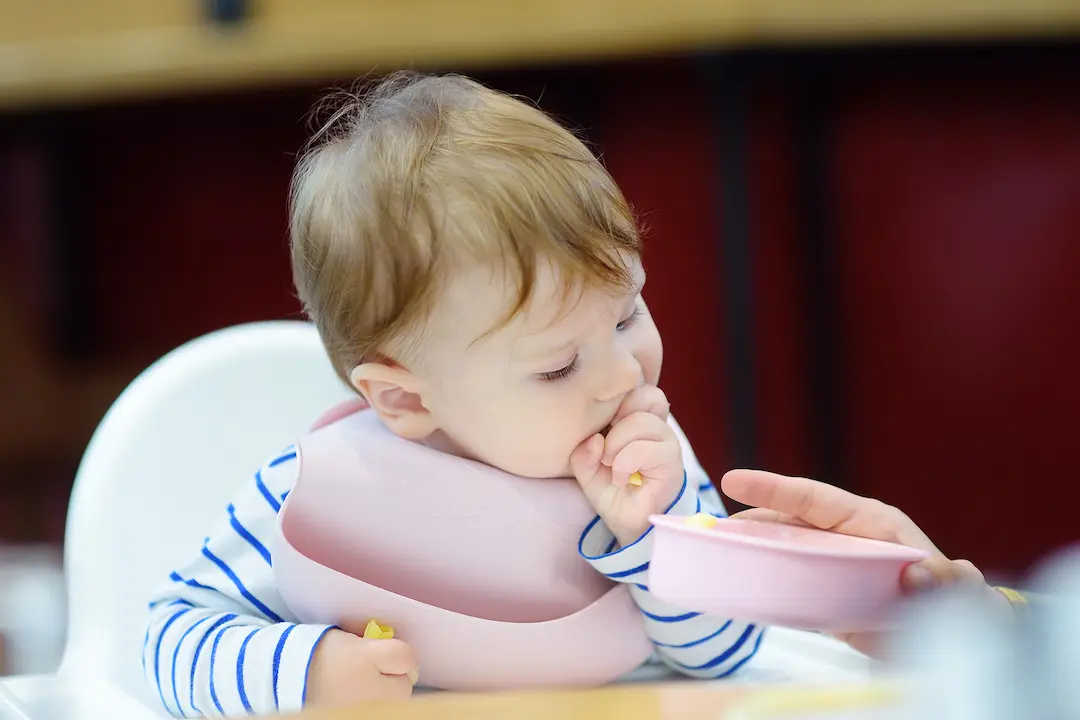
777, 574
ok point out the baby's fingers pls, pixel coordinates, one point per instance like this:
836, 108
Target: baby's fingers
651, 458
645, 399
639, 426
585, 460
395, 687
394, 657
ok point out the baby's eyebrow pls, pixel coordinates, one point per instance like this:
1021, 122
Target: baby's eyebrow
547, 351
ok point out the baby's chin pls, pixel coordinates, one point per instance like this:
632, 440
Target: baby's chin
533, 468
541, 470
545, 473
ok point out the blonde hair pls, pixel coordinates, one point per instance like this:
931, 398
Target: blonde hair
425, 171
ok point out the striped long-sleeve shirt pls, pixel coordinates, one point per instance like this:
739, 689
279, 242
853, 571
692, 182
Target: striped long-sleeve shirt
221, 641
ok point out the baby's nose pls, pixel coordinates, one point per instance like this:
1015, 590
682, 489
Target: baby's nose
624, 377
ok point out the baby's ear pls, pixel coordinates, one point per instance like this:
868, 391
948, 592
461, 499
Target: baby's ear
394, 393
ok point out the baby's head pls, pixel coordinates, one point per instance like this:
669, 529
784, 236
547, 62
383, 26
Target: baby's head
473, 271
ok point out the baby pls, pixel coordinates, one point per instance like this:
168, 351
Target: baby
476, 275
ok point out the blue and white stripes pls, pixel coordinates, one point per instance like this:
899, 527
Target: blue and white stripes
691, 643
221, 641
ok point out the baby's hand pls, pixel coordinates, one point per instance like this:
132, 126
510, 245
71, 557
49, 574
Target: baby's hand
809, 503
640, 441
347, 669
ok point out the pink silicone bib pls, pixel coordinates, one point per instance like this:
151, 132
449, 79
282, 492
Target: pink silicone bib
477, 569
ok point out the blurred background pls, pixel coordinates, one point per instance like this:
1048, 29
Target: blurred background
863, 249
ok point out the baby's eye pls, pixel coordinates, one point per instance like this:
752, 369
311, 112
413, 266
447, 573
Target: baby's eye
561, 373
630, 321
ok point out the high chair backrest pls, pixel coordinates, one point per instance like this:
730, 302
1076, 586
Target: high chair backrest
161, 468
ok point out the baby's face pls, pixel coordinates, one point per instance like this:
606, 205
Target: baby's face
524, 397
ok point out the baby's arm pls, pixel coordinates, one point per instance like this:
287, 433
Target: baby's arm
695, 644
220, 640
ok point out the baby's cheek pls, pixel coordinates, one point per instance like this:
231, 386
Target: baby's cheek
650, 352
652, 374
651, 363
550, 449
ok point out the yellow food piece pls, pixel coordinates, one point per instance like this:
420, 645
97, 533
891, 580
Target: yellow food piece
701, 520
636, 479
375, 631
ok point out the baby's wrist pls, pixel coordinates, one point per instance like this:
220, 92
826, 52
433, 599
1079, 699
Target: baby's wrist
628, 534
325, 663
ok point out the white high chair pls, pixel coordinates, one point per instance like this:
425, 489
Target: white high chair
160, 468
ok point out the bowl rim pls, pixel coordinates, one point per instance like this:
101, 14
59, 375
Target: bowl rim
885, 551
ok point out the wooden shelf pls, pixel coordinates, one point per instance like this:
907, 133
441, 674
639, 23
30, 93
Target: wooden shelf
71, 51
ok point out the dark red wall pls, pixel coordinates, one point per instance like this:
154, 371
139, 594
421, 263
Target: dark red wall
958, 193
187, 216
